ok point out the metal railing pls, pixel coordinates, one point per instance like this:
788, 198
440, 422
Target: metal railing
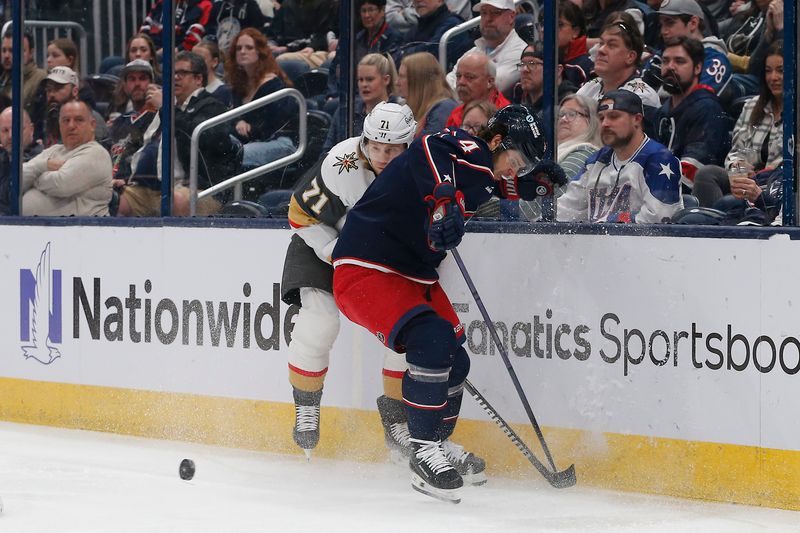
45, 31
114, 24
253, 173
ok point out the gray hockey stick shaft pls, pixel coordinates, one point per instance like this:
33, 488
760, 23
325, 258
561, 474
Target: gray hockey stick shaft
560, 480
517, 385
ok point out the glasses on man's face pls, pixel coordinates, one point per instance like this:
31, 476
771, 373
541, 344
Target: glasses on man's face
471, 127
569, 115
529, 65
184, 73
369, 10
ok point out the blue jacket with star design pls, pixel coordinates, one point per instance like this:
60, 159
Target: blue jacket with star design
387, 229
644, 188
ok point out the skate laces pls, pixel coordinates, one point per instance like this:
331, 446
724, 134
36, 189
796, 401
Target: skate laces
432, 454
400, 434
454, 452
307, 417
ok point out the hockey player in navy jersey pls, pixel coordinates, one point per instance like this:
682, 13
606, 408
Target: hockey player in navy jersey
631, 179
317, 212
385, 276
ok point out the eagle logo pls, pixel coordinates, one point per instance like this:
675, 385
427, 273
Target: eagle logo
40, 345
347, 162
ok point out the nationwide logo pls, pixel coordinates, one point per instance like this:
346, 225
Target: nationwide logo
40, 310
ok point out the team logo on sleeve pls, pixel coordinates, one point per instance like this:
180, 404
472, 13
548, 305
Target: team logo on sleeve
347, 162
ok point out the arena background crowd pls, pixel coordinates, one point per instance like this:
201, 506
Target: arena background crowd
707, 76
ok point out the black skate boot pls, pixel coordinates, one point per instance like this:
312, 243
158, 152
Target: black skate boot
395, 429
306, 419
471, 467
432, 473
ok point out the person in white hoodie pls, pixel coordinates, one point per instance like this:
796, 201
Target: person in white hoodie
499, 41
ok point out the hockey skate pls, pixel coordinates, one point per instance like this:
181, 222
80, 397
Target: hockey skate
395, 429
306, 419
471, 467
431, 472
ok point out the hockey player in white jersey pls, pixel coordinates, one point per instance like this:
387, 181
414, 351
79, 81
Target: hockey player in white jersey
317, 214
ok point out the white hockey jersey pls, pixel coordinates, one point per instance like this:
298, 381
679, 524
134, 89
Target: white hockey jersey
644, 189
593, 89
323, 197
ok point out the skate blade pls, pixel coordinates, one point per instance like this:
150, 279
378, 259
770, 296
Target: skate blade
308, 453
445, 495
476, 480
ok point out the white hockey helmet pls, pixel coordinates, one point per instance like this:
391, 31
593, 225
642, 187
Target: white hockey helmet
389, 123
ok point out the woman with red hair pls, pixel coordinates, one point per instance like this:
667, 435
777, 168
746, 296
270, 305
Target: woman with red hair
252, 73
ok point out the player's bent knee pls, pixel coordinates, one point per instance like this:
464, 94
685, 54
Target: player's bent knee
430, 342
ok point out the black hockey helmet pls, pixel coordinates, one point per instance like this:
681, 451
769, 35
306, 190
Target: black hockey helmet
521, 131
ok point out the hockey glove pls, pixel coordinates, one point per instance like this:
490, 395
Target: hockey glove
538, 182
445, 217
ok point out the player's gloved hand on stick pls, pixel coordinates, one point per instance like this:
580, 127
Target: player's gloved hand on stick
445, 217
540, 181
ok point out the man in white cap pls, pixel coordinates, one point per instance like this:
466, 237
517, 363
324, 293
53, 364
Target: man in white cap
499, 40
61, 86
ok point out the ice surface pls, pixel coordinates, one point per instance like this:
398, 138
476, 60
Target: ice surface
76, 481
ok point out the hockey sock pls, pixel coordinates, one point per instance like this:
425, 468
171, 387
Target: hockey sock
424, 403
450, 415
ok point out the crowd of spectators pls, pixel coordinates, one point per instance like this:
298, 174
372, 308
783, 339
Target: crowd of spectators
656, 100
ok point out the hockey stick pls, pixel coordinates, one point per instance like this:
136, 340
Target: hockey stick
569, 473
560, 480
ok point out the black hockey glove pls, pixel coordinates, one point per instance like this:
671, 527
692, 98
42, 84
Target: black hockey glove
445, 217
540, 181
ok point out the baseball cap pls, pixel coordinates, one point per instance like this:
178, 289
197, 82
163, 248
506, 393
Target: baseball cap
621, 100
499, 4
137, 65
680, 7
63, 75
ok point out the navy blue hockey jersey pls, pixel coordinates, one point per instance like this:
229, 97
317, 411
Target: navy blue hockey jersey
386, 229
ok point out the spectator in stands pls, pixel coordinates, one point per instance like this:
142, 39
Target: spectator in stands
530, 89
421, 82
377, 77
375, 37
743, 30
229, 17
30, 149
127, 131
253, 73
434, 19
61, 52
750, 66
499, 41
597, 11
476, 115
578, 136
616, 65
685, 18
219, 153
691, 123
141, 46
475, 81
631, 179
209, 51
61, 86
301, 30
401, 15
69, 179
191, 19
759, 128
572, 49
32, 75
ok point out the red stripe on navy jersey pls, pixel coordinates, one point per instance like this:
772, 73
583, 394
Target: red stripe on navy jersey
425, 407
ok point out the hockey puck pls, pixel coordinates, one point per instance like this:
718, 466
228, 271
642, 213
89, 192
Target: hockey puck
186, 470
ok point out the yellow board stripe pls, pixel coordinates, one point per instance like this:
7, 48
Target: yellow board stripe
710, 471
